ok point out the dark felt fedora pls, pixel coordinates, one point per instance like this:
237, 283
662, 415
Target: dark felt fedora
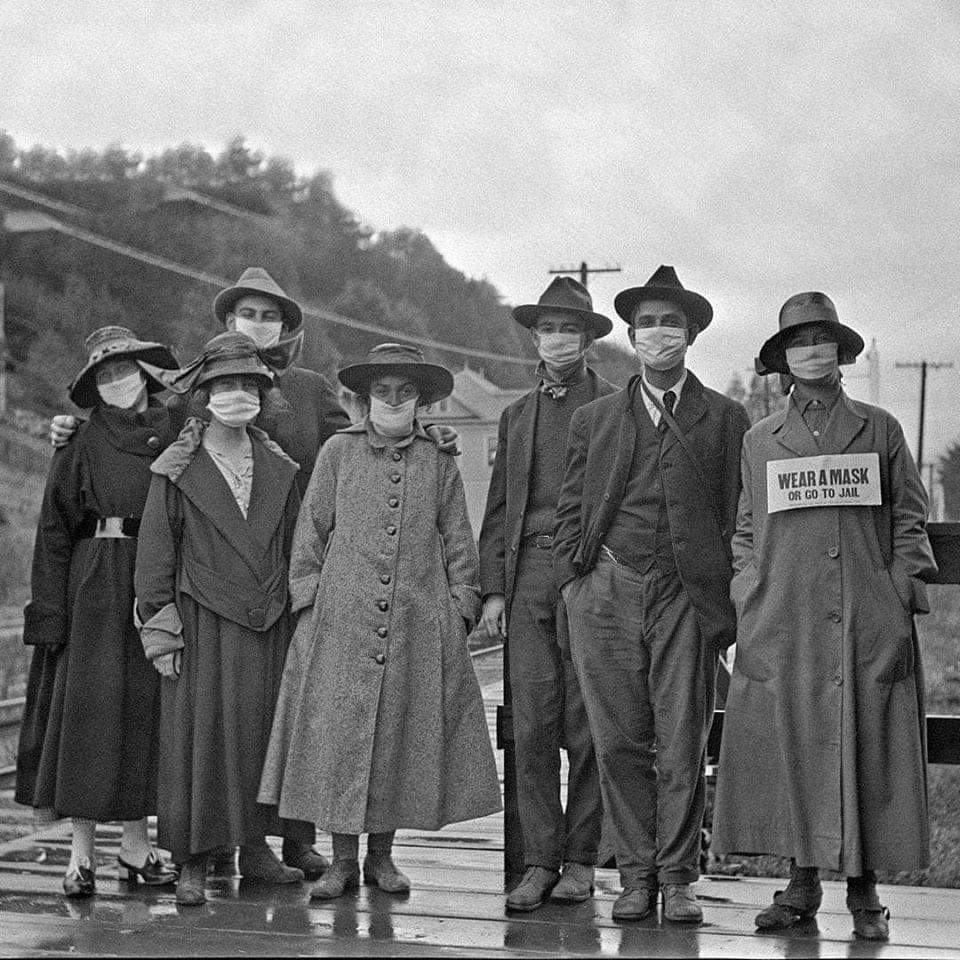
434, 382
564, 295
664, 285
112, 343
802, 310
255, 281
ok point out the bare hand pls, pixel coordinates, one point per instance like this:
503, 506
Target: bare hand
168, 664
62, 428
493, 619
448, 440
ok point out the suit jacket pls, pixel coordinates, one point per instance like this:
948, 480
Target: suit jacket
701, 500
510, 488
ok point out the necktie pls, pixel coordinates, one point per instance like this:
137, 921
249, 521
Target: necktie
669, 399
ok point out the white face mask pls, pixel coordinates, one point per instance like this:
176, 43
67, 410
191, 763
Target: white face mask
123, 393
234, 408
814, 362
262, 333
660, 348
559, 349
393, 421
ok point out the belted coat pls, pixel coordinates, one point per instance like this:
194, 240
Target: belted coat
701, 497
823, 744
380, 722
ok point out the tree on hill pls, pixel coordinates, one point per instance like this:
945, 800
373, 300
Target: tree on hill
761, 398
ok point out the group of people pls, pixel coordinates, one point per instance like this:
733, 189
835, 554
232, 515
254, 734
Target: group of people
250, 615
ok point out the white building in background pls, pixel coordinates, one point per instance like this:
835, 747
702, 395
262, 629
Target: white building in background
473, 410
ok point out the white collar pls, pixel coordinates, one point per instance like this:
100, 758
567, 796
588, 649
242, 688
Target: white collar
652, 408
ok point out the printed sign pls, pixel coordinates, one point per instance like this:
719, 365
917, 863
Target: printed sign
837, 480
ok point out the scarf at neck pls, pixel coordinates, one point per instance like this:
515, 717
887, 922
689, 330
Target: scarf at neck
556, 384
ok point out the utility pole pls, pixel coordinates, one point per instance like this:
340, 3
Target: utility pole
924, 365
584, 271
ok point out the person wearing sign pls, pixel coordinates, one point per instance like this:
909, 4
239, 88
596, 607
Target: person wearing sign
519, 593
823, 748
642, 557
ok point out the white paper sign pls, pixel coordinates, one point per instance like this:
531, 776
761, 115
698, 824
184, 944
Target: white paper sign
837, 480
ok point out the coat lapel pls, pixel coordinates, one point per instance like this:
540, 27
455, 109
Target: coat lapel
621, 440
691, 409
272, 478
843, 426
524, 427
790, 430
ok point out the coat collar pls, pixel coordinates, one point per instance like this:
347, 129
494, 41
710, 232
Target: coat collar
846, 421
690, 409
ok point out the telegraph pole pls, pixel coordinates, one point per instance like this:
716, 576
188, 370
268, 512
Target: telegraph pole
924, 366
584, 271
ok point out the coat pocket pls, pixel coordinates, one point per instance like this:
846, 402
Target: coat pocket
894, 659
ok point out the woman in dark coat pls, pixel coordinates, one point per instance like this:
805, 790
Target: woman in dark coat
211, 584
88, 740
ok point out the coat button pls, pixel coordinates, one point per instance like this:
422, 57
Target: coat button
393, 502
833, 552
391, 530
380, 658
383, 605
381, 631
256, 618
397, 455
606, 496
835, 617
153, 443
394, 477
838, 680
384, 577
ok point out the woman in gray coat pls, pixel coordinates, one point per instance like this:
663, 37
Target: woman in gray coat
380, 723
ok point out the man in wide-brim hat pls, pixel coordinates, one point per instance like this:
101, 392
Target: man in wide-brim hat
521, 601
823, 745
641, 554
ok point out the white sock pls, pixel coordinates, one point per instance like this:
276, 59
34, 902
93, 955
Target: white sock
135, 844
82, 852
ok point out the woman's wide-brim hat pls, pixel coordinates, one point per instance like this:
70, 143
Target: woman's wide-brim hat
803, 310
116, 343
399, 359
256, 282
564, 295
233, 354
665, 285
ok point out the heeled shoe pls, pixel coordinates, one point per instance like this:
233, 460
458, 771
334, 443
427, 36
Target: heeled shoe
341, 875
382, 872
156, 872
302, 856
193, 875
258, 862
80, 882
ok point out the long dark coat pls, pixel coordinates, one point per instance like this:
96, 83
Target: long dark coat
88, 741
509, 489
380, 723
228, 578
701, 514
823, 745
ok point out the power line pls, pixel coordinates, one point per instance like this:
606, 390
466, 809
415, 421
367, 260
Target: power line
584, 271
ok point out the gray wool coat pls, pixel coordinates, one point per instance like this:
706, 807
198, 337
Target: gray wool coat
380, 722
823, 754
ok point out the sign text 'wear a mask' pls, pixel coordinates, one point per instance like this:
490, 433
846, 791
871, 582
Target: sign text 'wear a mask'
834, 480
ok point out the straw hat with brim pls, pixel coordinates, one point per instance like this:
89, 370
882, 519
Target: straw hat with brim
115, 343
228, 354
256, 282
803, 310
564, 295
433, 381
664, 285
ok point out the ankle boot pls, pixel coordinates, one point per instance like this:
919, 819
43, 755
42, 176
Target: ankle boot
340, 876
193, 875
258, 862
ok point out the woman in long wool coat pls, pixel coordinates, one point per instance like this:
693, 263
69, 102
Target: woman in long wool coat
380, 722
823, 756
88, 742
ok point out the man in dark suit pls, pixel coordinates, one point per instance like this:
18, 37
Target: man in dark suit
520, 601
642, 557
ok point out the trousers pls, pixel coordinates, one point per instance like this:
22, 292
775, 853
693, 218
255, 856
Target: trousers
548, 712
648, 684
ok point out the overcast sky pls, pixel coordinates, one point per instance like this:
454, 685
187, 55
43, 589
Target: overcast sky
762, 148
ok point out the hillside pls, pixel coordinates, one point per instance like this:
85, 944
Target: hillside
214, 216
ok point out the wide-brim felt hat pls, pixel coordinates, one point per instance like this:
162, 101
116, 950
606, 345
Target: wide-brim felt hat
433, 381
665, 285
113, 343
229, 354
564, 295
804, 310
255, 281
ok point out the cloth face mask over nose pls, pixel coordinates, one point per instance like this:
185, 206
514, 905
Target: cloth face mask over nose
559, 349
814, 362
262, 333
393, 421
234, 408
123, 393
660, 347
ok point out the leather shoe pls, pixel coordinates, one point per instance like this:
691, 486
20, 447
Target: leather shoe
301, 856
259, 862
80, 882
340, 876
798, 902
576, 883
533, 889
382, 872
193, 874
636, 902
156, 871
680, 905
871, 924
223, 862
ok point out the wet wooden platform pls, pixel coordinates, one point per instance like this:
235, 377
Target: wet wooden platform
455, 909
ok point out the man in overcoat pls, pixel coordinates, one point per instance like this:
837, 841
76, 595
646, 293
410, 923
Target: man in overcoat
642, 556
823, 756
520, 601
